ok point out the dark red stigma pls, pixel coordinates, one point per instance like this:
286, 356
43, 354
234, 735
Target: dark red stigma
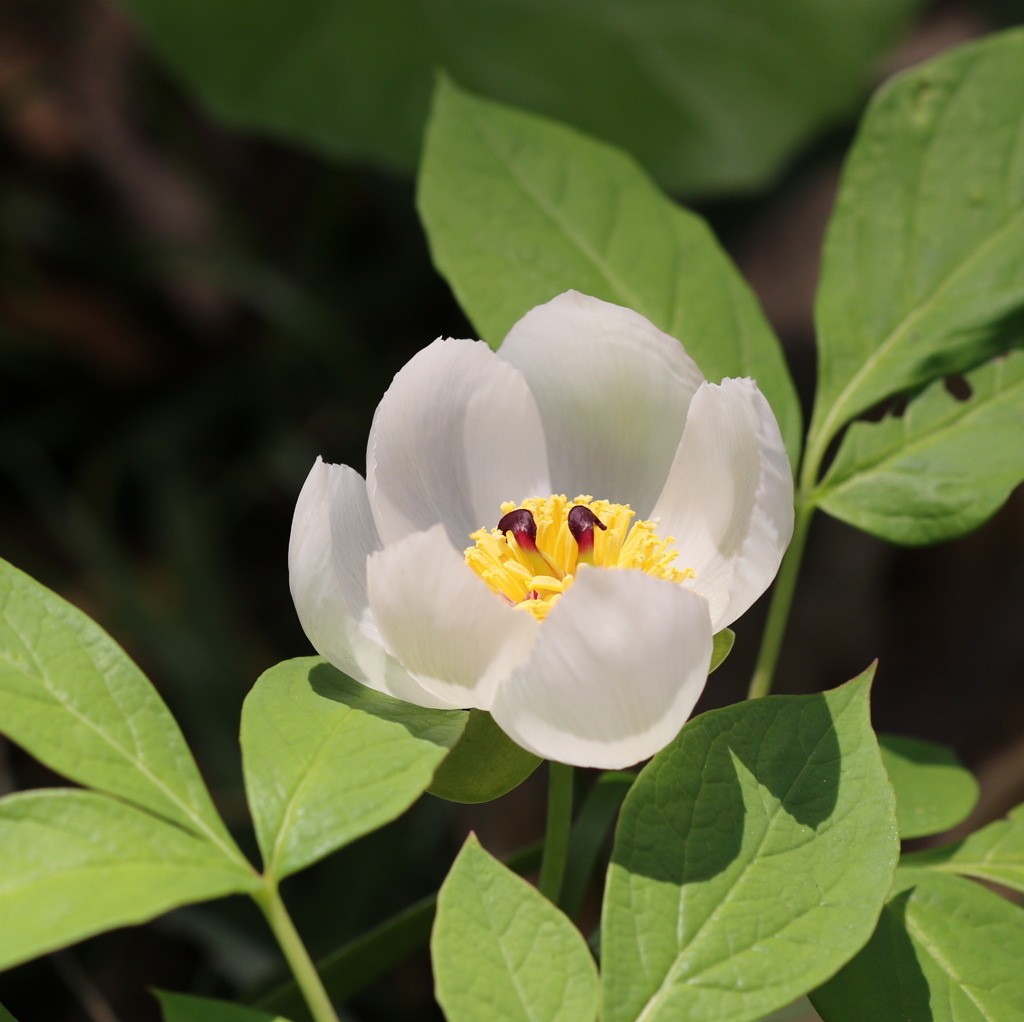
581, 522
521, 524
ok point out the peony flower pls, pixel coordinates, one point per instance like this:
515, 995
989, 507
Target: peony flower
552, 533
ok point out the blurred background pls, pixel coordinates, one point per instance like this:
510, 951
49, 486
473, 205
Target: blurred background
211, 267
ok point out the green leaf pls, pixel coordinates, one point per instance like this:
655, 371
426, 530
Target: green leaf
72, 697
922, 274
184, 1008
501, 950
518, 209
723, 644
363, 960
946, 950
994, 853
75, 863
752, 858
941, 468
933, 791
484, 765
5, 1015
709, 96
327, 760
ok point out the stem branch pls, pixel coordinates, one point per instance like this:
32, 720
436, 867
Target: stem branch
559, 823
295, 953
782, 602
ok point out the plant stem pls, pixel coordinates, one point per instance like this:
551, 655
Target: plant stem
556, 838
295, 953
782, 602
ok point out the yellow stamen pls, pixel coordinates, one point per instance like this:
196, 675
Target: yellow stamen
536, 579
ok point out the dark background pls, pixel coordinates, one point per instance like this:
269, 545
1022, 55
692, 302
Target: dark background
188, 316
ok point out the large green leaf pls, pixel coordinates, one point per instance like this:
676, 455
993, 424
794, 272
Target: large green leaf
72, 697
74, 863
946, 950
994, 853
5, 1015
185, 1008
708, 96
941, 468
933, 791
922, 274
518, 209
501, 950
328, 760
752, 858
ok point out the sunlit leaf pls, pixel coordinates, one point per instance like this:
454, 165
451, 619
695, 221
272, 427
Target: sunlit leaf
72, 697
501, 950
946, 950
752, 858
933, 791
74, 863
941, 468
328, 760
922, 274
994, 853
519, 209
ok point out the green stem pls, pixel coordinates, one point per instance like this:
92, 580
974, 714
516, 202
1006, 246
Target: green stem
782, 602
556, 838
295, 953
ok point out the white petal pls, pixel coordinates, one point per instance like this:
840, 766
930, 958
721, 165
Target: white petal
456, 434
617, 668
728, 500
442, 623
613, 392
332, 536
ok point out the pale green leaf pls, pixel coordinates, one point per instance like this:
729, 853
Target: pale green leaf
994, 853
186, 1008
74, 863
484, 765
328, 760
933, 791
941, 468
501, 950
946, 950
708, 96
518, 209
72, 697
724, 641
752, 858
922, 274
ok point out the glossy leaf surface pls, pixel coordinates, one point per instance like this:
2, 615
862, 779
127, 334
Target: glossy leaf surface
328, 760
922, 273
501, 950
75, 863
752, 858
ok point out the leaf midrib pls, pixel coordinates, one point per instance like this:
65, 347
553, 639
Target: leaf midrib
139, 764
838, 412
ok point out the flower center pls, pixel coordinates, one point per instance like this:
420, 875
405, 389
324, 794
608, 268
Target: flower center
531, 557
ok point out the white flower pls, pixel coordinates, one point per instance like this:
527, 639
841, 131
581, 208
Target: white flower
596, 664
